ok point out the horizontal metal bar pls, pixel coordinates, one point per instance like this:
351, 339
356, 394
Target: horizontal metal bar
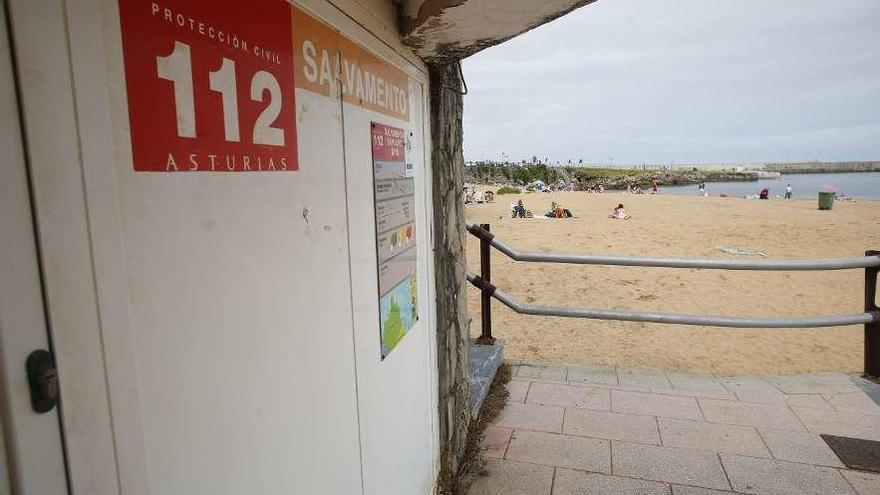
679, 319
664, 262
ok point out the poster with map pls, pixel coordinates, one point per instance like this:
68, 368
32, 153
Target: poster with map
394, 193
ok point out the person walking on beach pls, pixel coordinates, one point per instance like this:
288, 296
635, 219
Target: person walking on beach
701, 189
788, 191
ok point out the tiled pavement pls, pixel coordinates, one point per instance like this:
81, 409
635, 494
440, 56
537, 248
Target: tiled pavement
584, 430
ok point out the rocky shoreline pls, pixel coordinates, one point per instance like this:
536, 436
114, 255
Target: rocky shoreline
585, 178
665, 178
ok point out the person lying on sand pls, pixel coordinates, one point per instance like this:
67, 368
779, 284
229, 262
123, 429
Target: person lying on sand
619, 213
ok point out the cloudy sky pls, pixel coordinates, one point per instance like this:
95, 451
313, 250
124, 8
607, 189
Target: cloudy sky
684, 81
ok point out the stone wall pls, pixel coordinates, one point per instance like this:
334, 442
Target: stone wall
452, 317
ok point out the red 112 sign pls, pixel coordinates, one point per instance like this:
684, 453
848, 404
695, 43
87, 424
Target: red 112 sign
210, 85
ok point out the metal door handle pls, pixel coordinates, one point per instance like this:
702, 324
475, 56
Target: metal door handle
43, 380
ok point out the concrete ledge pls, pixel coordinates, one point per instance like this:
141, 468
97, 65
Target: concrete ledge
484, 361
444, 31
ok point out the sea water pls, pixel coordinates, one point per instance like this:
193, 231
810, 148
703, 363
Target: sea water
859, 185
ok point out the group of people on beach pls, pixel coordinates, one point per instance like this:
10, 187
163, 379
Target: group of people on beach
636, 189
765, 193
519, 210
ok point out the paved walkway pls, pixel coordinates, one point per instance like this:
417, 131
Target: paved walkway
604, 431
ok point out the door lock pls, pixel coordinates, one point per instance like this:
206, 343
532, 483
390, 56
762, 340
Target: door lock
43, 380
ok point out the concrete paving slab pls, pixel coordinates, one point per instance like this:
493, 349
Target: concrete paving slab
633, 388
612, 426
747, 383
513, 478
601, 375
692, 490
820, 383
869, 387
550, 449
517, 390
770, 477
863, 483
853, 402
553, 394
812, 401
800, 446
745, 414
695, 382
542, 372
707, 394
671, 465
655, 405
643, 377
809, 401
531, 417
712, 437
495, 440
840, 423
548, 425
570, 482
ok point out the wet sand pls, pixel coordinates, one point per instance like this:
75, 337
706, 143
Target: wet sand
687, 227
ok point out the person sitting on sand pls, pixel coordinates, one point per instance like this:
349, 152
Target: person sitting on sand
519, 211
619, 213
558, 211
765, 194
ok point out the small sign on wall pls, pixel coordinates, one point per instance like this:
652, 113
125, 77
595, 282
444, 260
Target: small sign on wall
210, 85
394, 191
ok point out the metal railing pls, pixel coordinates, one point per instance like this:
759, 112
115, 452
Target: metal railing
870, 318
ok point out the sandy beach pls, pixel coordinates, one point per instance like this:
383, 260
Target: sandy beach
687, 227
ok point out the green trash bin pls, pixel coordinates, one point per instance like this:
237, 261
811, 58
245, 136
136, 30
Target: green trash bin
826, 200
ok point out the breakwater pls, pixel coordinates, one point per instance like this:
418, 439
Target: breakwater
823, 167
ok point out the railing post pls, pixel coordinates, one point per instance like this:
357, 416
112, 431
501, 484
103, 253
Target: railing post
872, 330
485, 293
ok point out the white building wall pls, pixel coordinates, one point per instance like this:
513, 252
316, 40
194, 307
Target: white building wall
237, 323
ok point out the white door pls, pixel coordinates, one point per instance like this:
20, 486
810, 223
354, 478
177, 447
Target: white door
395, 394
31, 453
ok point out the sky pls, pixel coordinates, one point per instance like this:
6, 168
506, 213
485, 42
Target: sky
683, 81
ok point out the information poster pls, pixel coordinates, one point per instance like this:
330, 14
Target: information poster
394, 190
210, 86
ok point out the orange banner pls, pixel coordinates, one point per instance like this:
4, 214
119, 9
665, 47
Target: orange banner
321, 55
